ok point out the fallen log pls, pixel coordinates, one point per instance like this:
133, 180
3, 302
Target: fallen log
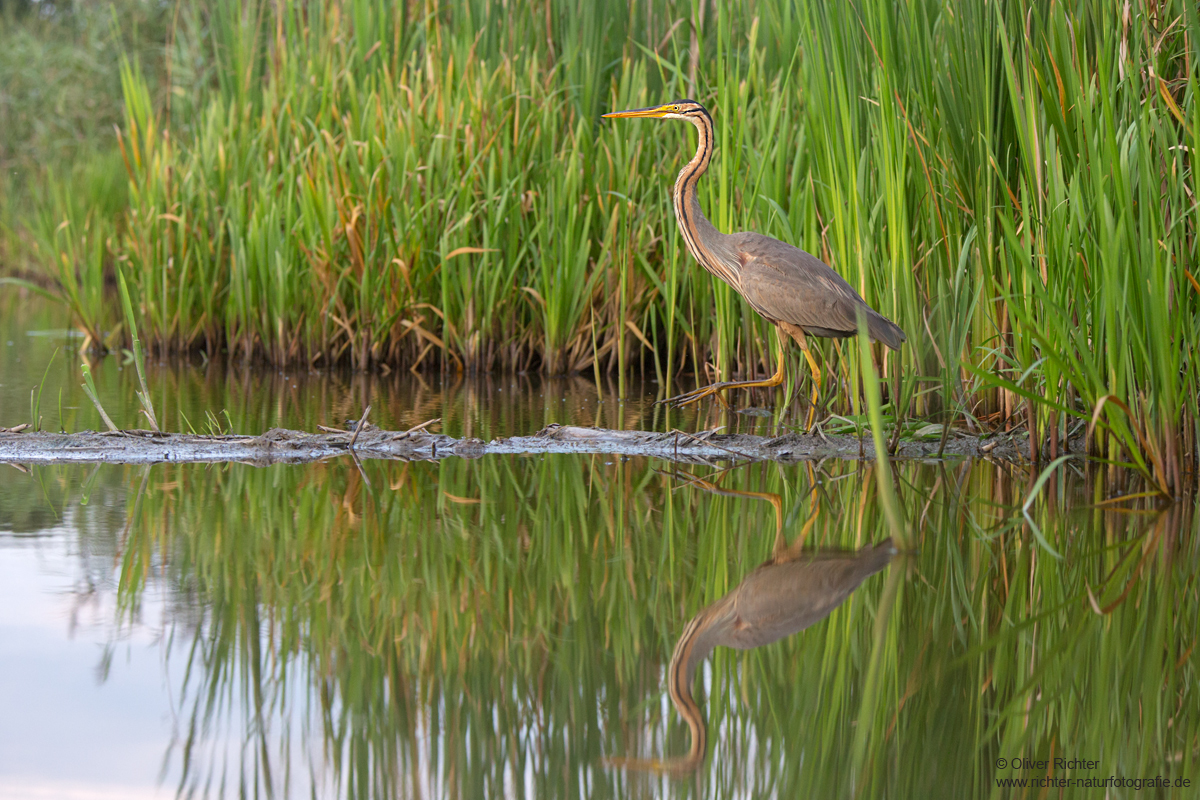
279, 446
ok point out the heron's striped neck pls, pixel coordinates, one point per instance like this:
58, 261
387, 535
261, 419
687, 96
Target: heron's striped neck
698, 232
694, 645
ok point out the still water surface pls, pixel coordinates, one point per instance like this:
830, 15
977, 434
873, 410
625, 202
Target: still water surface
505, 627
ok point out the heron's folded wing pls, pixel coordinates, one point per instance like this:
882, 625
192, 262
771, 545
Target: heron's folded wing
785, 283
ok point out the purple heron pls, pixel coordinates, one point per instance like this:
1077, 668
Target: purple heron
798, 292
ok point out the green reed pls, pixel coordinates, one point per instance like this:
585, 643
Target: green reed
421, 184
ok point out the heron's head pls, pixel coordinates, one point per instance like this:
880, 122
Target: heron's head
680, 109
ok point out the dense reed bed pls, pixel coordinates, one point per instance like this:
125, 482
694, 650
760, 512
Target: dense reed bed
499, 626
429, 185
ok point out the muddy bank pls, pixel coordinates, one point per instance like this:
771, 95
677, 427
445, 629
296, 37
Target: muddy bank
279, 446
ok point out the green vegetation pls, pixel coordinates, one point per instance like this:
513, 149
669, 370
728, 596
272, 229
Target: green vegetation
457, 624
1012, 182
60, 100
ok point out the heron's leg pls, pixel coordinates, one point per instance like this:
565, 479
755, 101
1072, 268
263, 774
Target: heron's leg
777, 502
816, 373
687, 398
796, 549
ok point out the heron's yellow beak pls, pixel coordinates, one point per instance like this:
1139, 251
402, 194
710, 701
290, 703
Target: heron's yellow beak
652, 111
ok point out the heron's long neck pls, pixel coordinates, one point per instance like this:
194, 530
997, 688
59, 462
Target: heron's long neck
699, 638
703, 240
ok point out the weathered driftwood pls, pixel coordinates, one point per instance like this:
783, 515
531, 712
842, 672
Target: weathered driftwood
278, 446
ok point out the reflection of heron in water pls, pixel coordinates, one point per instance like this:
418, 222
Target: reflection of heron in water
787, 593
776, 600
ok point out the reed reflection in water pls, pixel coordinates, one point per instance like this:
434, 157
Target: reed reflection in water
496, 627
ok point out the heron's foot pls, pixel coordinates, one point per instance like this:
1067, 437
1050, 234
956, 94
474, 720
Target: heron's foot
714, 390
695, 395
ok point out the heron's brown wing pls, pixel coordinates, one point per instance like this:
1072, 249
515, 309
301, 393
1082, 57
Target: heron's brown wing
783, 282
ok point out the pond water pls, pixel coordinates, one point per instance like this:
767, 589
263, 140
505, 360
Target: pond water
505, 627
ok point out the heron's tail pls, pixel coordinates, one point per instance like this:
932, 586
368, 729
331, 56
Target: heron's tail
884, 330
